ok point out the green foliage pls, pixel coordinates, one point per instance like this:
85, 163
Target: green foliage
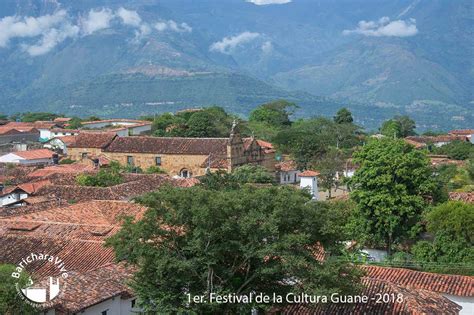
66, 161
391, 189
202, 241
3, 117
93, 118
457, 150
391, 128
10, 301
253, 174
343, 116
331, 163
276, 113
75, 123
103, 178
209, 122
32, 116
452, 226
154, 170
407, 126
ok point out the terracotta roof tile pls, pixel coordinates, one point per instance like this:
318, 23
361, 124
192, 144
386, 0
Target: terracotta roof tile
462, 132
286, 166
93, 140
415, 302
35, 154
428, 139
308, 173
441, 283
462, 196
74, 168
33, 187
156, 145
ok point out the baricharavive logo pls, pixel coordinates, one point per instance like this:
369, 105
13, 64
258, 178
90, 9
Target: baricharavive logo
44, 291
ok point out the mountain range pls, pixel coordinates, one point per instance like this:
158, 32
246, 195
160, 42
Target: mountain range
126, 58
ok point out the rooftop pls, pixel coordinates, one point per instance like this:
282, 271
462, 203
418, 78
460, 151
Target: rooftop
35, 154
309, 174
93, 140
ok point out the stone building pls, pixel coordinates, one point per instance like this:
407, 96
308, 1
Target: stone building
184, 157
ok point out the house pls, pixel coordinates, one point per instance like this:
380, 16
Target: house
437, 141
89, 143
287, 172
60, 143
468, 133
16, 195
183, 157
309, 180
10, 134
47, 134
121, 127
32, 157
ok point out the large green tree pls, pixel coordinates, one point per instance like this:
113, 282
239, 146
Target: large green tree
452, 250
343, 116
200, 241
329, 165
276, 113
391, 188
10, 301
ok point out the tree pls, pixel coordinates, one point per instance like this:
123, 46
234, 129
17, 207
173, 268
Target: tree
201, 125
253, 174
343, 116
452, 226
329, 166
276, 113
154, 170
10, 301
391, 188
103, 178
407, 125
457, 150
391, 128
75, 123
199, 241
32, 117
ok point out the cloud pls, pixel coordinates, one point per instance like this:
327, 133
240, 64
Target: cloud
52, 38
267, 2
172, 26
267, 47
129, 17
97, 20
227, 44
15, 26
385, 27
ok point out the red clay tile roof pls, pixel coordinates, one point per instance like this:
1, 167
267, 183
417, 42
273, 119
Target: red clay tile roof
192, 146
216, 161
5, 130
462, 196
67, 140
74, 168
35, 154
37, 125
465, 132
416, 144
308, 174
33, 187
62, 119
286, 166
415, 302
93, 140
119, 120
441, 283
428, 139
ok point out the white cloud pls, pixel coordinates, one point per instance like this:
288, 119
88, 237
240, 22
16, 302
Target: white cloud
52, 38
15, 26
385, 27
129, 17
172, 26
267, 2
96, 20
227, 44
267, 47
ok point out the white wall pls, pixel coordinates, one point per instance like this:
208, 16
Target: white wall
312, 184
10, 158
113, 306
139, 130
466, 302
290, 177
36, 161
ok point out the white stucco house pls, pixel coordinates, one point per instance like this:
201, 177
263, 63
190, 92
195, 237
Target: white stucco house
10, 196
287, 172
32, 157
309, 180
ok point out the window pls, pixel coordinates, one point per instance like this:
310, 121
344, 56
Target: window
84, 155
130, 160
104, 312
158, 161
133, 303
185, 173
